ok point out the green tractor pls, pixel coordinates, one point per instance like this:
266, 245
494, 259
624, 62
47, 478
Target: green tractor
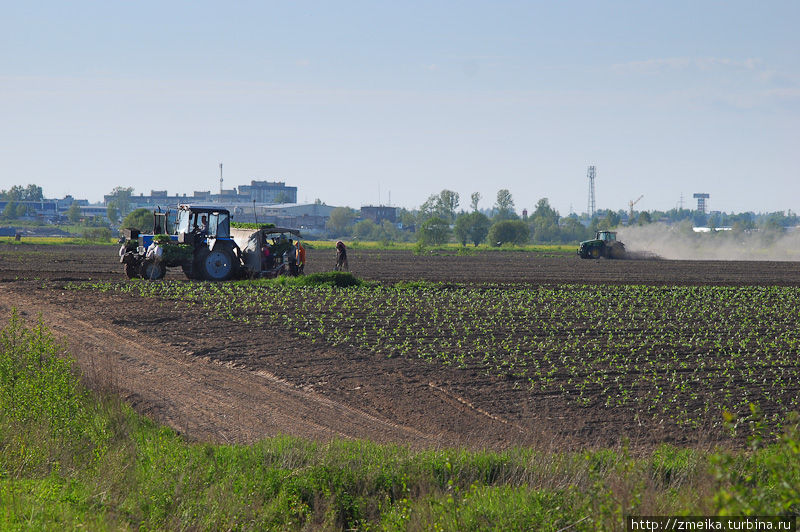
605, 244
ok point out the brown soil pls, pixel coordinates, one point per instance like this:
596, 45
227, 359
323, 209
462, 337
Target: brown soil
215, 380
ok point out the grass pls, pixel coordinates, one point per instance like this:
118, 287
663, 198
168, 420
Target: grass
74, 459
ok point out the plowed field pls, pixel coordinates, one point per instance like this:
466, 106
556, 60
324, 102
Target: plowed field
215, 376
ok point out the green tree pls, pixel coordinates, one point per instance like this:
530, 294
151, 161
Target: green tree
121, 196
504, 206
387, 231
509, 231
644, 218
364, 230
471, 227
20, 193
112, 212
611, 220
572, 230
544, 223
22, 210
407, 218
476, 198
141, 219
340, 220
10, 211
74, 213
442, 205
434, 231
447, 204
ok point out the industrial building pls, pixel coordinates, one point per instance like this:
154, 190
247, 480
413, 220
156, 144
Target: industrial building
258, 191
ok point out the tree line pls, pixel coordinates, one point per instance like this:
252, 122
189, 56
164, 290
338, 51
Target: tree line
442, 219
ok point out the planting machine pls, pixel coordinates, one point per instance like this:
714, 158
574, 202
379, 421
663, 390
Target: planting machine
202, 243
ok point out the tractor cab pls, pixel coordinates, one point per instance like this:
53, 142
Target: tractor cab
204, 221
606, 236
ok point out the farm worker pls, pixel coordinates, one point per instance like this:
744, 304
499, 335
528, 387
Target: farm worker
292, 258
341, 257
267, 257
203, 224
301, 257
154, 252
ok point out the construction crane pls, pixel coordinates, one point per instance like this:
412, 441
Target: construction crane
631, 204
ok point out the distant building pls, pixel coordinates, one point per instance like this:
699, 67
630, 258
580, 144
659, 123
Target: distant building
311, 216
258, 191
269, 192
701, 198
379, 213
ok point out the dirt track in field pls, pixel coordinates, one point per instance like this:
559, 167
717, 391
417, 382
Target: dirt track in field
214, 380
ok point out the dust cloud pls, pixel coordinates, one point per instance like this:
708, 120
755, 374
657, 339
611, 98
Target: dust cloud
680, 242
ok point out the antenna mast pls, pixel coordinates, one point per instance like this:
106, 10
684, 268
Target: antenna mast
591, 174
220, 179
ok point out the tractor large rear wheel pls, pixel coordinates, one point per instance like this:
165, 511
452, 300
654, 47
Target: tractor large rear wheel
218, 264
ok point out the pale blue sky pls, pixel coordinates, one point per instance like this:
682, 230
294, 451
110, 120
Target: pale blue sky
349, 100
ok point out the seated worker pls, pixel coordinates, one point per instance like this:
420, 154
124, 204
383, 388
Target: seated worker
202, 229
267, 259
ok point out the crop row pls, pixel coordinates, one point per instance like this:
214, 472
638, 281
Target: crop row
681, 354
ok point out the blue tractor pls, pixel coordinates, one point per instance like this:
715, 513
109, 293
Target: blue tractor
198, 241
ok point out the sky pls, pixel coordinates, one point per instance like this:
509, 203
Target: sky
360, 103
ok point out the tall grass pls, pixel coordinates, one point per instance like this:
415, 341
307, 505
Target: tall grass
72, 459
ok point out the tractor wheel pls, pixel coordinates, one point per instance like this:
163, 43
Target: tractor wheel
218, 265
595, 252
618, 251
153, 271
131, 271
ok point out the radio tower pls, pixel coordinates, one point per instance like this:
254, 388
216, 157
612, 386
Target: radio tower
590, 174
220, 179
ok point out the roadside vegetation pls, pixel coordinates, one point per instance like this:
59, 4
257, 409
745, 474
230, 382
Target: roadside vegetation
71, 458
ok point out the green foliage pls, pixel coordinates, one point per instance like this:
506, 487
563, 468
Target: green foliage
253, 226
504, 206
141, 219
20, 193
10, 211
74, 213
112, 212
173, 253
44, 425
340, 220
509, 232
434, 231
471, 227
121, 197
364, 229
766, 482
